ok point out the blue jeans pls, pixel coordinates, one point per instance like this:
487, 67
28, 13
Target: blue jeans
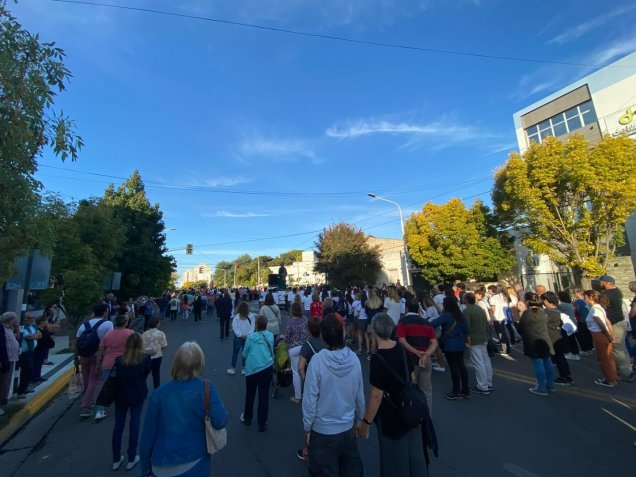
121, 411
544, 372
238, 346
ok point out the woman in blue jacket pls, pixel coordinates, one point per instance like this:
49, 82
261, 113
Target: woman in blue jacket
132, 369
453, 340
258, 356
173, 438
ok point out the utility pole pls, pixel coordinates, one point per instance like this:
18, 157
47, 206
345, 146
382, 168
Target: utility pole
235, 268
258, 271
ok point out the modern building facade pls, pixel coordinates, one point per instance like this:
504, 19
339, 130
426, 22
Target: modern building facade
201, 272
603, 103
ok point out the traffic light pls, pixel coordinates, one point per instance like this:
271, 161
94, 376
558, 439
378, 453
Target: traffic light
189, 249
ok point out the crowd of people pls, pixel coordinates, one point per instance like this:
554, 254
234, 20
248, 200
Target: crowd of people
405, 336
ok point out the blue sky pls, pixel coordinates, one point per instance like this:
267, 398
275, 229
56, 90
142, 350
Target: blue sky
210, 113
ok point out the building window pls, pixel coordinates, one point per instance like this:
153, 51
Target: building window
563, 123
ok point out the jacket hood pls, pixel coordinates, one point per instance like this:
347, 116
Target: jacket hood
340, 362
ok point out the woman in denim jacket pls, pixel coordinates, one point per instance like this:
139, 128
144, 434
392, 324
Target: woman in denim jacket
173, 438
453, 340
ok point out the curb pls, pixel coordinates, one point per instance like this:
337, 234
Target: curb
35, 405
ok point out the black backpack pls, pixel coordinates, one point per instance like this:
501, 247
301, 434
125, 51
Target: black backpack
411, 403
88, 342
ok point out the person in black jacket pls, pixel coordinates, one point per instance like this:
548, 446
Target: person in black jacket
131, 371
224, 309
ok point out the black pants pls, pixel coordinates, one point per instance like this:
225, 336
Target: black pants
197, 316
155, 365
260, 381
574, 345
502, 333
459, 374
173, 315
26, 371
224, 323
560, 348
584, 336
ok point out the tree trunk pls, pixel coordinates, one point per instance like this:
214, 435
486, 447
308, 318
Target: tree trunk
580, 280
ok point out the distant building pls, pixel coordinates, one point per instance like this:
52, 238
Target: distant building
602, 103
197, 274
391, 257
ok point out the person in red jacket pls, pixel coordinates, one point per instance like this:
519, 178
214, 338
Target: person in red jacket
315, 308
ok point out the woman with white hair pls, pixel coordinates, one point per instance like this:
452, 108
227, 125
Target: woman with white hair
173, 438
9, 350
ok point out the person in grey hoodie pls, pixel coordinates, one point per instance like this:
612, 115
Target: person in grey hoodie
333, 402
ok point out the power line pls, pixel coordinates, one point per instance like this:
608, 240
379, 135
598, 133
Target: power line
336, 38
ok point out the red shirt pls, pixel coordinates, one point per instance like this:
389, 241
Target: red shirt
315, 309
416, 330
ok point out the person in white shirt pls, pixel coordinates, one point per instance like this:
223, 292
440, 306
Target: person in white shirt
498, 300
154, 343
243, 324
392, 304
307, 301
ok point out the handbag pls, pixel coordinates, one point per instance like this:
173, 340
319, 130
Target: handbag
215, 439
75, 385
108, 392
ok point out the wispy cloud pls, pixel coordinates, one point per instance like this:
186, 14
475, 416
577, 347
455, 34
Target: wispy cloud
192, 178
499, 148
234, 215
278, 150
581, 29
443, 132
549, 78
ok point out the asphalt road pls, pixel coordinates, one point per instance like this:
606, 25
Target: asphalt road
579, 431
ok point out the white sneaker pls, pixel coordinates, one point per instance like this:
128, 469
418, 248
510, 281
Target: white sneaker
1, 412
243, 371
231, 371
437, 367
132, 464
100, 415
117, 465
573, 357
507, 356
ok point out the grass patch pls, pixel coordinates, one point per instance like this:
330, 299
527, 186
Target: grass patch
64, 351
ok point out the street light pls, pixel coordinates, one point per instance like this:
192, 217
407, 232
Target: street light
406, 253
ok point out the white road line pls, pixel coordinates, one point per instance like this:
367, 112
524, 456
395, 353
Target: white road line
518, 471
621, 403
619, 419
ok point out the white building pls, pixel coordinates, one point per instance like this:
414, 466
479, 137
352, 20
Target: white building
197, 274
391, 257
599, 104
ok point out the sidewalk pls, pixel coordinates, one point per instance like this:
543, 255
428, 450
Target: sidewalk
19, 412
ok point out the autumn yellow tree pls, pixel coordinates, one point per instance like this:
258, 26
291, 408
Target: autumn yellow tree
450, 242
570, 199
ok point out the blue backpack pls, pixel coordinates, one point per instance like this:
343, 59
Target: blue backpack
88, 342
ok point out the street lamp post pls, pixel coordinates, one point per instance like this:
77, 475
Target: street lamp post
406, 253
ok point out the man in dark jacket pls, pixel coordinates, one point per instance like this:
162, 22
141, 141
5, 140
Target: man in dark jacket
224, 308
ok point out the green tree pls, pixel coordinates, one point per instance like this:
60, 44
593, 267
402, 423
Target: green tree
346, 257
570, 199
450, 242
83, 255
289, 257
145, 268
223, 274
32, 72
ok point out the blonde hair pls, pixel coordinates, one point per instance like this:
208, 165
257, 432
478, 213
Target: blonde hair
374, 300
393, 294
134, 350
188, 362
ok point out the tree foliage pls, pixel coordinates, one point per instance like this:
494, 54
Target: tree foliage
145, 268
346, 257
83, 255
246, 273
570, 199
32, 72
450, 242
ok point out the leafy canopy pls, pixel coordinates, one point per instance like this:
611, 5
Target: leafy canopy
32, 72
450, 242
570, 199
345, 256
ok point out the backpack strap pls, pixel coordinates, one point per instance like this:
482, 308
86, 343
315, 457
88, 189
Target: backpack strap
98, 324
393, 372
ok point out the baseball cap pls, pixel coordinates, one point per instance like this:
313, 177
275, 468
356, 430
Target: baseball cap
606, 278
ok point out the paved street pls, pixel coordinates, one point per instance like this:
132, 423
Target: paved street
575, 432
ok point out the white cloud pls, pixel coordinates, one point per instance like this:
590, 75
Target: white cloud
548, 79
278, 150
234, 215
581, 29
498, 148
441, 133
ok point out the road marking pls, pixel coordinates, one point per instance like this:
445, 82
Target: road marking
518, 471
621, 403
620, 420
